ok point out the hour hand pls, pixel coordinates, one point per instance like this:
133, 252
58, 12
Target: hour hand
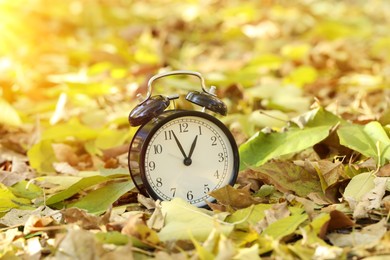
179, 145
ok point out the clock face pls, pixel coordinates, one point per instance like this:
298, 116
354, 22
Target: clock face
188, 157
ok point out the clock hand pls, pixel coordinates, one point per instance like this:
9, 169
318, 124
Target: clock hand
188, 161
192, 147
179, 145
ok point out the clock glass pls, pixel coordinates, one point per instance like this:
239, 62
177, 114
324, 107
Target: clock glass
188, 156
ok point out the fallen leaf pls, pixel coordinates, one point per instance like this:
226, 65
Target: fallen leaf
236, 198
184, 221
372, 199
356, 193
42, 156
98, 201
156, 221
284, 226
85, 220
371, 140
135, 226
75, 188
35, 223
366, 238
288, 177
245, 218
9, 201
79, 245
338, 220
12, 117
34, 247
18, 217
263, 147
10, 178
359, 185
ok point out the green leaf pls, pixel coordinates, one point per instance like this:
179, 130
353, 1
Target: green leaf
9, 116
185, 221
284, 226
359, 185
263, 147
76, 188
113, 237
370, 140
246, 217
26, 190
9, 201
100, 200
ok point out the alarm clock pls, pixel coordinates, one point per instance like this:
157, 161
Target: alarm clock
181, 153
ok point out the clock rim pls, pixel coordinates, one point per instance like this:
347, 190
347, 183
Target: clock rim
146, 132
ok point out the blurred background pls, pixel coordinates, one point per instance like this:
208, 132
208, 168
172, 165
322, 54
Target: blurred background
73, 68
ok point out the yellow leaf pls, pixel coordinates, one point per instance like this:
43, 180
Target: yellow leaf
295, 51
42, 156
185, 221
9, 116
301, 76
8, 200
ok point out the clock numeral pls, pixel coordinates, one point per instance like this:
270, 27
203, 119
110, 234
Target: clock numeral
216, 174
157, 148
159, 182
190, 196
168, 135
152, 165
173, 190
221, 157
183, 127
206, 189
213, 141
200, 130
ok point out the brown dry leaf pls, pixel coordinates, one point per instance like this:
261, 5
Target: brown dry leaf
309, 205
236, 198
338, 220
368, 237
156, 221
35, 223
78, 245
289, 177
122, 252
16, 217
329, 172
331, 176
146, 202
84, 219
11, 178
384, 171
18, 171
136, 227
65, 153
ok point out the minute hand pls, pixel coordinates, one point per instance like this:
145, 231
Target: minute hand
179, 145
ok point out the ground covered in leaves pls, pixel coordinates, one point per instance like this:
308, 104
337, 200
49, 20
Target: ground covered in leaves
307, 89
